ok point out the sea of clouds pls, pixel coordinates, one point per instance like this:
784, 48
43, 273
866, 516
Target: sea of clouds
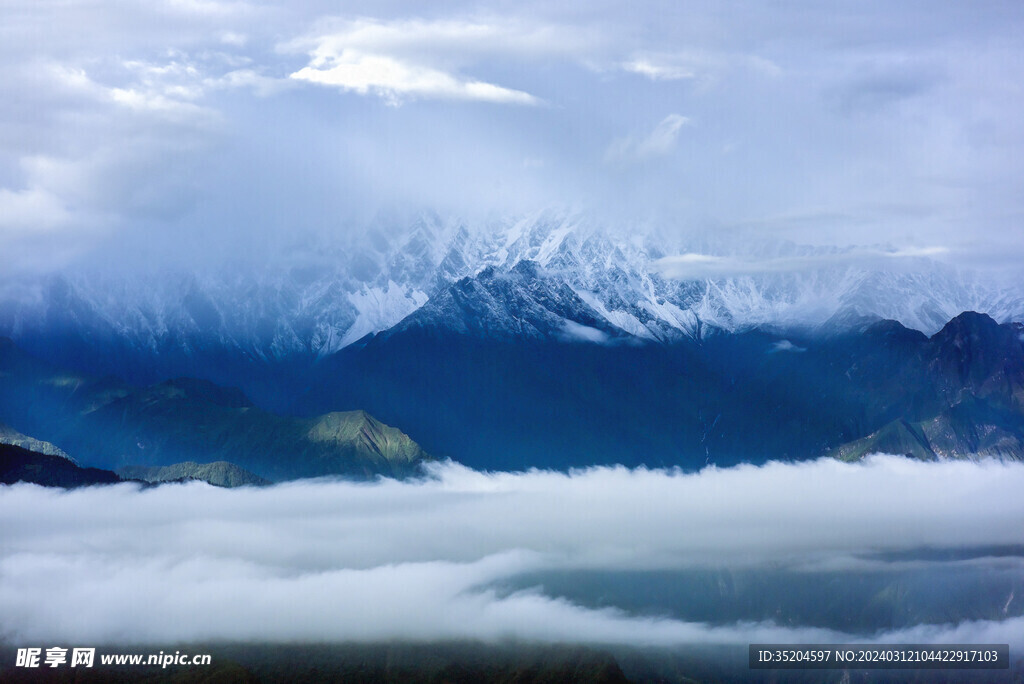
333, 560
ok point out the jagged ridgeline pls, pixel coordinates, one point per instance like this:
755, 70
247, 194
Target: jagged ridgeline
265, 327
107, 423
542, 341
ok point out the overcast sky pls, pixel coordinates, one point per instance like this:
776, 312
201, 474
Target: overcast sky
852, 124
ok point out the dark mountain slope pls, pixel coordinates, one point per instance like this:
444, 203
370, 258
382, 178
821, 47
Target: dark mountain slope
22, 465
974, 356
108, 423
461, 378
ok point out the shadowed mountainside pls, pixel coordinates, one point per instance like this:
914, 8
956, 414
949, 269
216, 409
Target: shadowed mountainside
724, 398
107, 423
22, 465
529, 381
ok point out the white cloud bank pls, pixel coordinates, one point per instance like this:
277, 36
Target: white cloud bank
328, 560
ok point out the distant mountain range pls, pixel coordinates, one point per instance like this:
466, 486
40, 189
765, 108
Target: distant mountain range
543, 341
263, 327
219, 473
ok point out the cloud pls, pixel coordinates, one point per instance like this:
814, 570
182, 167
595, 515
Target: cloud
209, 8
879, 81
657, 143
402, 59
658, 72
785, 346
393, 80
696, 266
234, 39
30, 210
426, 560
576, 332
117, 145
903, 121
451, 39
700, 65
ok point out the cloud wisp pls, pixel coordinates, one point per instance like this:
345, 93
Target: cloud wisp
424, 560
657, 143
406, 59
697, 266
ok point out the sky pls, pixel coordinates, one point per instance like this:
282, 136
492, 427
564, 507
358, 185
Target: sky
326, 560
200, 125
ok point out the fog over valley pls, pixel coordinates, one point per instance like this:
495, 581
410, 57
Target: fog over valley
438, 558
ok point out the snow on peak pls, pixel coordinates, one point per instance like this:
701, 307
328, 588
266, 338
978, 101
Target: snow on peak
322, 296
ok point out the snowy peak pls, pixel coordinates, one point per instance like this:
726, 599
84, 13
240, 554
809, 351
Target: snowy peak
322, 294
524, 302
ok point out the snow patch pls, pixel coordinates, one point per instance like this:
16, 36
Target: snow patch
553, 242
322, 296
380, 308
620, 319
686, 322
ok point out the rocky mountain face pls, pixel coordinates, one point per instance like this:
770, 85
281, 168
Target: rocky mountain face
969, 394
524, 303
263, 327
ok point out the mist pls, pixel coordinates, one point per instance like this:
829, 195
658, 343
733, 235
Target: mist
445, 557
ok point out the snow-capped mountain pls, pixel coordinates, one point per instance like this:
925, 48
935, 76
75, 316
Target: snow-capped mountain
320, 296
554, 341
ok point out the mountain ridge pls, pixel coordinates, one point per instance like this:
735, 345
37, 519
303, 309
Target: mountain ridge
724, 399
263, 327
218, 473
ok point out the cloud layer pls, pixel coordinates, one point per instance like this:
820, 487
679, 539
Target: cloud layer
328, 560
199, 126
